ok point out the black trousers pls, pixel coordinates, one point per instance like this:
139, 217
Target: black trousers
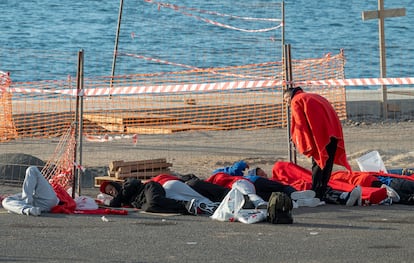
214, 192
265, 187
154, 200
320, 177
405, 189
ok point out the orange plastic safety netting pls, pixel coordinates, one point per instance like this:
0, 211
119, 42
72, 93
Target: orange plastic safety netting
237, 97
60, 168
7, 129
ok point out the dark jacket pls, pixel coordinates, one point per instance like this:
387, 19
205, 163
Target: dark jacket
150, 197
129, 194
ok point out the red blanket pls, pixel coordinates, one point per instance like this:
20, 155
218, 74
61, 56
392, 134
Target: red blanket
163, 178
301, 179
313, 122
224, 179
365, 178
68, 206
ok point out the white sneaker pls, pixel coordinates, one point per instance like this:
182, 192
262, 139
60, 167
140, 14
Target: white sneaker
355, 197
309, 202
34, 211
391, 193
305, 194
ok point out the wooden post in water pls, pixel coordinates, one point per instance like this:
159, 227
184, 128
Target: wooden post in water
381, 14
118, 29
78, 133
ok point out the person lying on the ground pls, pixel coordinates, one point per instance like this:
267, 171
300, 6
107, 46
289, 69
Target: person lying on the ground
241, 203
150, 197
176, 189
39, 196
402, 171
336, 193
242, 184
182, 191
265, 186
400, 188
214, 192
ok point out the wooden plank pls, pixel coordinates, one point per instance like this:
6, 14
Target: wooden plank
111, 173
129, 118
153, 119
142, 175
102, 118
148, 130
143, 167
114, 165
159, 160
112, 127
374, 14
120, 174
100, 179
123, 170
168, 129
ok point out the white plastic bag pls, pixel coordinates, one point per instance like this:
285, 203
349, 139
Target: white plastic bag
85, 203
104, 199
229, 207
371, 162
251, 216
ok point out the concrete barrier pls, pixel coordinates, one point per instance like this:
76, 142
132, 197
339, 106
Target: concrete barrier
368, 103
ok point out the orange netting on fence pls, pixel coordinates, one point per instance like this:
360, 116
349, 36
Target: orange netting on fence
238, 97
7, 129
61, 166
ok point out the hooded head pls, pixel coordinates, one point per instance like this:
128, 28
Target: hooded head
257, 171
292, 91
253, 172
115, 186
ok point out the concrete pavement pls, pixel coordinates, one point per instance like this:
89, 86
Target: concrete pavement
329, 233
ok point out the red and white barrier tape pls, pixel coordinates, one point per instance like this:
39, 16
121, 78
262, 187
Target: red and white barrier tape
108, 138
360, 82
4, 80
219, 86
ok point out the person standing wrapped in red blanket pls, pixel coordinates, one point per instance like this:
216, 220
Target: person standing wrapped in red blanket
316, 132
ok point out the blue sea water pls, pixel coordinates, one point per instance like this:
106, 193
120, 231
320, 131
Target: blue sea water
40, 39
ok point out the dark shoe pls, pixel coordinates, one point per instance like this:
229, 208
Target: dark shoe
192, 207
248, 204
208, 208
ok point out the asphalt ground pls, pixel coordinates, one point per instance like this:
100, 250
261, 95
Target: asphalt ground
329, 233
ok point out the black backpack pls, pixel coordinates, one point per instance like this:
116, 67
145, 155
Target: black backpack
279, 209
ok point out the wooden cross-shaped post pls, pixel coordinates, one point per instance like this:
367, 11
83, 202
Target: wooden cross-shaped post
381, 14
